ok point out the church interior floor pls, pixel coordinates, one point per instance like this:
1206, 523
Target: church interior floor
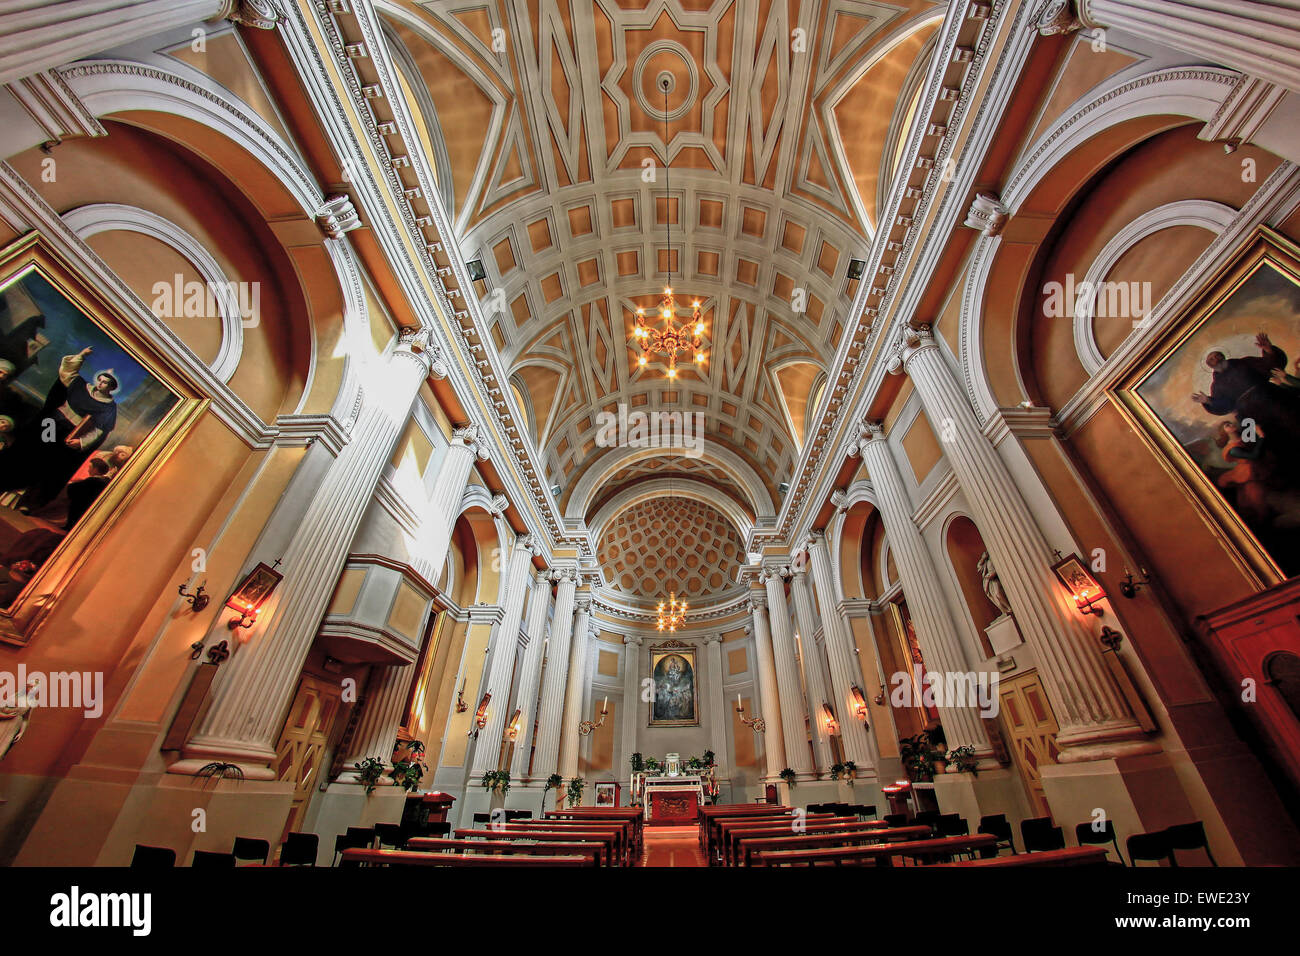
672, 846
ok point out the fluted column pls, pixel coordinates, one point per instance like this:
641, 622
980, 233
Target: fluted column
935, 632
1256, 38
539, 601
583, 634
845, 672
39, 36
376, 731
439, 515
1093, 718
770, 700
797, 756
555, 674
715, 703
631, 698
505, 646
814, 667
254, 688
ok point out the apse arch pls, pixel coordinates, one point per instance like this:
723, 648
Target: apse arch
663, 488
1113, 121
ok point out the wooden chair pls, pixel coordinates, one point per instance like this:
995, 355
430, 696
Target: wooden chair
152, 857
896, 819
209, 860
1152, 847
299, 849
391, 834
249, 848
998, 825
1188, 836
1038, 834
1086, 835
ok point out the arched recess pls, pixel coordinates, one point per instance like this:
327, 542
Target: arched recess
1058, 165
615, 459
491, 539
92, 219
264, 172
853, 532
965, 546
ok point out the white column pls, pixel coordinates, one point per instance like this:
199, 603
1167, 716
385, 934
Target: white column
381, 715
845, 672
631, 699
814, 667
254, 688
555, 673
715, 703
769, 699
539, 601
797, 756
584, 633
1248, 35
447, 490
38, 36
1095, 722
935, 632
505, 648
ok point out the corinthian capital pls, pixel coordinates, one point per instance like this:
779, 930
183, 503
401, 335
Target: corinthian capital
498, 505
987, 213
1056, 17
912, 341
471, 436
259, 14
868, 431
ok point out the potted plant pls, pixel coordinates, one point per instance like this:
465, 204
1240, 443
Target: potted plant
708, 759
408, 767
553, 782
693, 763
497, 783
651, 765
850, 772
638, 762
788, 776
369, 771
836, 770
574, 794
963, 758
918, 757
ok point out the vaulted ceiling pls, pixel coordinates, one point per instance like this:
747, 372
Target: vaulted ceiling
785, 119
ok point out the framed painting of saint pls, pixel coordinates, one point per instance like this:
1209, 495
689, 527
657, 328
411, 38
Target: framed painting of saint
1219, 399
676, 701
88, 412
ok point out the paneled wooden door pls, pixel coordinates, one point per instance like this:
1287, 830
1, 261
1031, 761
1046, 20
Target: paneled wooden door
301, 749
1031, 733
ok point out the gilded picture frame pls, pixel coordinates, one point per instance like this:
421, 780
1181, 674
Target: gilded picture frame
1228, 441
152, 405
676, 698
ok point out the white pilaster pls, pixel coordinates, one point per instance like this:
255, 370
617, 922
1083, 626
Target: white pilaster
769, 699
797, 756
814, 667
584, 633
715, 704
539, 601
381, 715
555, 675
631, 698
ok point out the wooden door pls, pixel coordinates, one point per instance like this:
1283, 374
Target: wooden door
1031, 733
301, 750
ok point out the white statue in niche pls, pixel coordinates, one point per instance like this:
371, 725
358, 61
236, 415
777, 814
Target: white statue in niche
15, 714
992, 586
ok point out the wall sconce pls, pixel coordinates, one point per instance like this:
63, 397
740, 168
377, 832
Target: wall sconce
513, 730
1128, 587
461, 706
480, 715
832, 726
586, 727
756, 724
859, 703
1082, 585
252, 593
1111, 640
880, 698
197, 599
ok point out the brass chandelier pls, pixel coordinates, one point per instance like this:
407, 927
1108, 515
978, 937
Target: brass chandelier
672, 338
672, 613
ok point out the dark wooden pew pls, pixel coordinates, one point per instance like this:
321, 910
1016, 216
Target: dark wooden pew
623, 828
881, 854
730, 831
611, 841
358, 857
633, 815
595, 851
747, 846
1070, 856
709, 816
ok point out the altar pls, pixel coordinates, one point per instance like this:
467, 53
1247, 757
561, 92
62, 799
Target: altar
673, 800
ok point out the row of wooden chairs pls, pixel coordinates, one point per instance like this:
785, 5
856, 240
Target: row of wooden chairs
245, 849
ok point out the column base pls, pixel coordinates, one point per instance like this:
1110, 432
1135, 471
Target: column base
344, 804
987, 792
1108, 741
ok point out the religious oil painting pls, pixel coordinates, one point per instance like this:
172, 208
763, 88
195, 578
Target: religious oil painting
672, 667
84, 413
1220, 398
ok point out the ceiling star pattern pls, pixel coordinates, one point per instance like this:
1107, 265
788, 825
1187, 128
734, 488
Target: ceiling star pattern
546, 119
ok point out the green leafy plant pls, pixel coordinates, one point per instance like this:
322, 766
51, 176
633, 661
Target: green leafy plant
708, 759
369, 772
574, 794
964, 758
788, 776
220, 771
918, 755
850, 771
651, 765
694, 763
553, 782
408, 771
496, 781
836, 770
638, 762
